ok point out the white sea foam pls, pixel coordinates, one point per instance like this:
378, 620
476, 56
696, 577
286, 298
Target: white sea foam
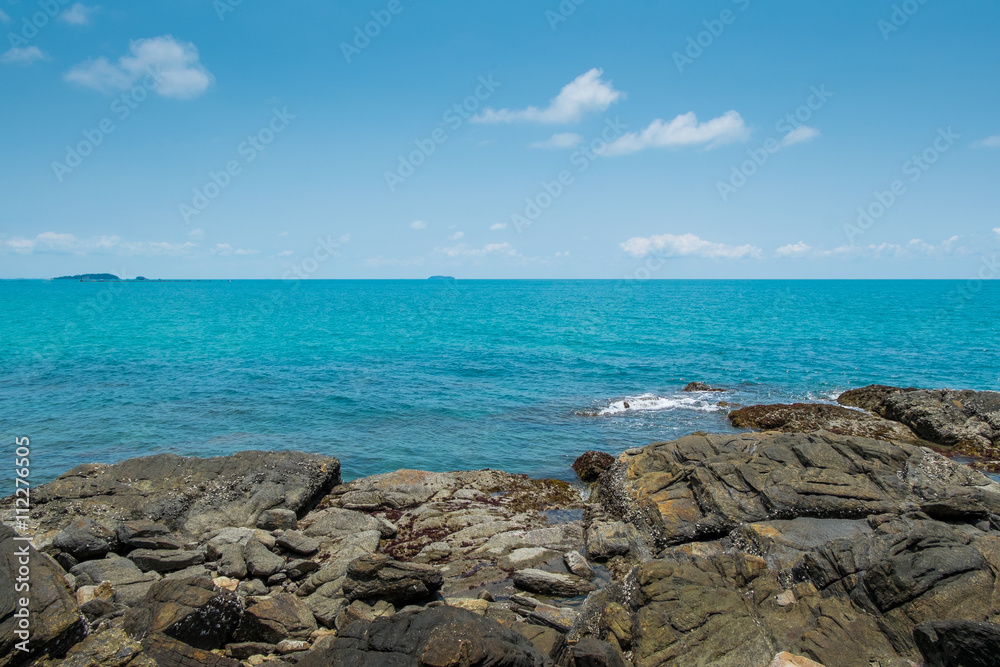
654, 403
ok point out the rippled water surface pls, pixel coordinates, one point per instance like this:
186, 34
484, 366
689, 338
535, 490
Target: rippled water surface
517, 375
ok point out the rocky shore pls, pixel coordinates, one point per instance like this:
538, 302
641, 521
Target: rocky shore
832, 535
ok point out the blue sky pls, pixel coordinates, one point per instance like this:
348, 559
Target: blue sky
582, 139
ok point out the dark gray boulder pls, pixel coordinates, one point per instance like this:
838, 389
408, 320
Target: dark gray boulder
85, 539
958, 643
192, 611
378, 577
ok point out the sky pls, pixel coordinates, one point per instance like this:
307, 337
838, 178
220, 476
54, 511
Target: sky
577, 139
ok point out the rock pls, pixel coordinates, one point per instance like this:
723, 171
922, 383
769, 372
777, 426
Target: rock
869, 398
578, 565
192, 611
252, 587
546, 640
225, 583
341, 553
146, 535
165, 560
377, 577
475, 605
287, 646
110, 648
559, 618
785, 659
336, 522
55, 623
230, 562
810, 543
97, 608
591, 652
261, 561
958, 643
274, 618
189, 495
436, 636
277, 519
434, 551
301, 568
103, 591
526, 557
967, 420
607, 539
226, 537
85, 539
806, 417
298, 543
129, 582
243, 650
326, 607
169, 652
589, 465
551, 583
699, 386
616, 621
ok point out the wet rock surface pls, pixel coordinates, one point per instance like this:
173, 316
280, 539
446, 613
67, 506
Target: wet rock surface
804, 417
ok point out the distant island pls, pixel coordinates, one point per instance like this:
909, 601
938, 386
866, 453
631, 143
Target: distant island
97, 276
441, 278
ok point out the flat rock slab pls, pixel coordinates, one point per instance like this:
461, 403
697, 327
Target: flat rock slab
377, 577
192, 611
186, 494
553, 584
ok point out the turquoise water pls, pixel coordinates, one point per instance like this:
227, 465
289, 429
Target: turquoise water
517, 375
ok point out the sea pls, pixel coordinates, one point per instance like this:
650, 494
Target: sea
518, 375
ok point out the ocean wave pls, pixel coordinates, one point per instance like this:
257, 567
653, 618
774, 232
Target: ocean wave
655, 403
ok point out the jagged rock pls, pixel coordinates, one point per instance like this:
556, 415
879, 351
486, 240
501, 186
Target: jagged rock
243, 650
298, 543
815, 544
54, 621
591, 652
85, 539
336, 522
869, 398
103, 591
958, 643
589, 465
165, 560
559, 618
274, 618
554, 584
526, 557
277, 519
231, 562
805, 417
578, 565
192, 611
435, 636
607, 539
110, 648
340, 554
377, 577
146, 535
785, 659
301, 568
475, 605
326, 604
261, 561
190, 495
96, 608
546, 640
968, 420
169, 652
252, 588
699, 386
287, 646
129, 582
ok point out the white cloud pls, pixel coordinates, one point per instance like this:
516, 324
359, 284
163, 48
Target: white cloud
456, 236
684, 130
489, 249
55, 243
23, 56
418, 224
996, 230
496, 227
988, 142
226, 250
78, 14
800, 134
916, 248
558, 141
285, 253
687, 245
799, 249
175, 66
587, 92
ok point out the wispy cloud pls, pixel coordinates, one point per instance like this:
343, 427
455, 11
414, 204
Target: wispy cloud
456, 236
23, 56
915, 248
988, 142
799, 135
462, 250
226, 250
684, 130
418, 224
56, 243
587, 92
799, 249
497, 226
558, 141
176, 66
687, 245
78, 14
